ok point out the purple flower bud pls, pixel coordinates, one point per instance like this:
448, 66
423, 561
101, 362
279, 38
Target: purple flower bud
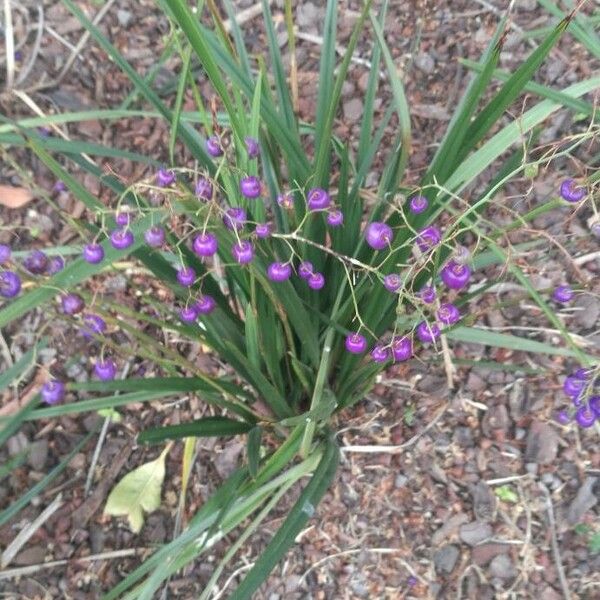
72, 304
427, 294
250, 187
235, 218
105, 370
574, 386
121, 239
455, 275
93, 253
305, 269
594, 404
379, 235
428, 332
188, 314
5, 253
316, 281
123, 217
186, 276
205, 244
92, 324
428, 238
59, 186
380, 353
418, 204
205, 304
213, 146
279, 271
402, 349
585, 417
155, 236
204, 189
335, 218
318, 199
356, 343
36, 262
448, 314
10, 284
53, 391
243, 252
392, 282
165, 178
570, 193
252, 147
55, 265
263, 230
563, 294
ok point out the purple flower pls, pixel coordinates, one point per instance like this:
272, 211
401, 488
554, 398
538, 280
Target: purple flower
165, 178
72, 304
205, 244
305, 269
380, 353
318, 199
252, 147
570, 193
427, 332
243, 252
448, 314
563, 294
213, 146
392, 282
55, 265
121, 239
402, 349
59, 186
335, 218
155, 236
235, 218
53, 391
378, 235
93, 253
356, 343
428, 238
204, 189
105, 370
262, 230
205, 304
585, 417
10, 284
92, 325
36, 262
427, 294
418, 204
250, 187
186, 276
316, 281
455, 275
279, 271
123, 217
188, 314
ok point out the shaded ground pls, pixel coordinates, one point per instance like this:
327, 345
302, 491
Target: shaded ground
461, 500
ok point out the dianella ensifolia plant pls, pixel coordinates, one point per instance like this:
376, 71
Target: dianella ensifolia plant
276, 258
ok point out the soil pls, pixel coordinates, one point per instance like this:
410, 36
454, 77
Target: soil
470, 493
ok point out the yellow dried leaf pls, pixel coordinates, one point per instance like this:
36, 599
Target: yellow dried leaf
138, 492
14, 197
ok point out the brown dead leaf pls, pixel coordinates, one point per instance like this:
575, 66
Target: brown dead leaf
14, 197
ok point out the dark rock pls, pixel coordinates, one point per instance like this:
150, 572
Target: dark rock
449, 527
484, 553
587, 311
353, 110
30, 556
502, 567
542, 444
38, 454
475, 532
463, 437
584, 501
424, 62
445, 558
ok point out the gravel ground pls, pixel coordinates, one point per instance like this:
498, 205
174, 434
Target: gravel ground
471, 493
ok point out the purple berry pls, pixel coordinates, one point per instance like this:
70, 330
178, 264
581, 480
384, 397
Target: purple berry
585, 417
123, 218
10, 284
36, 262
427, 294
235, 218
250, 187
427, 332
121, 239
93, 253
243, 252
356, 343
204, 189
279, 271
428, 238
53, 391
55, 265
213, 146
155, 236
205, 305
72, 304
562, 417
570, 193
205, 244
392, 282
262, 230
105, 370
5, 253
59, 186
448, 314
563, 294
380, 353
574, 386
305, 269
318, 199
165, 178
92, 325
594, 404
335, 218
186, 276
455, 275
252, 147
418, 204
402, 349
188, 314
378, 235
286, 201
316, 281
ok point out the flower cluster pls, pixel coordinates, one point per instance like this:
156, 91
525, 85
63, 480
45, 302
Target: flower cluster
583, 389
